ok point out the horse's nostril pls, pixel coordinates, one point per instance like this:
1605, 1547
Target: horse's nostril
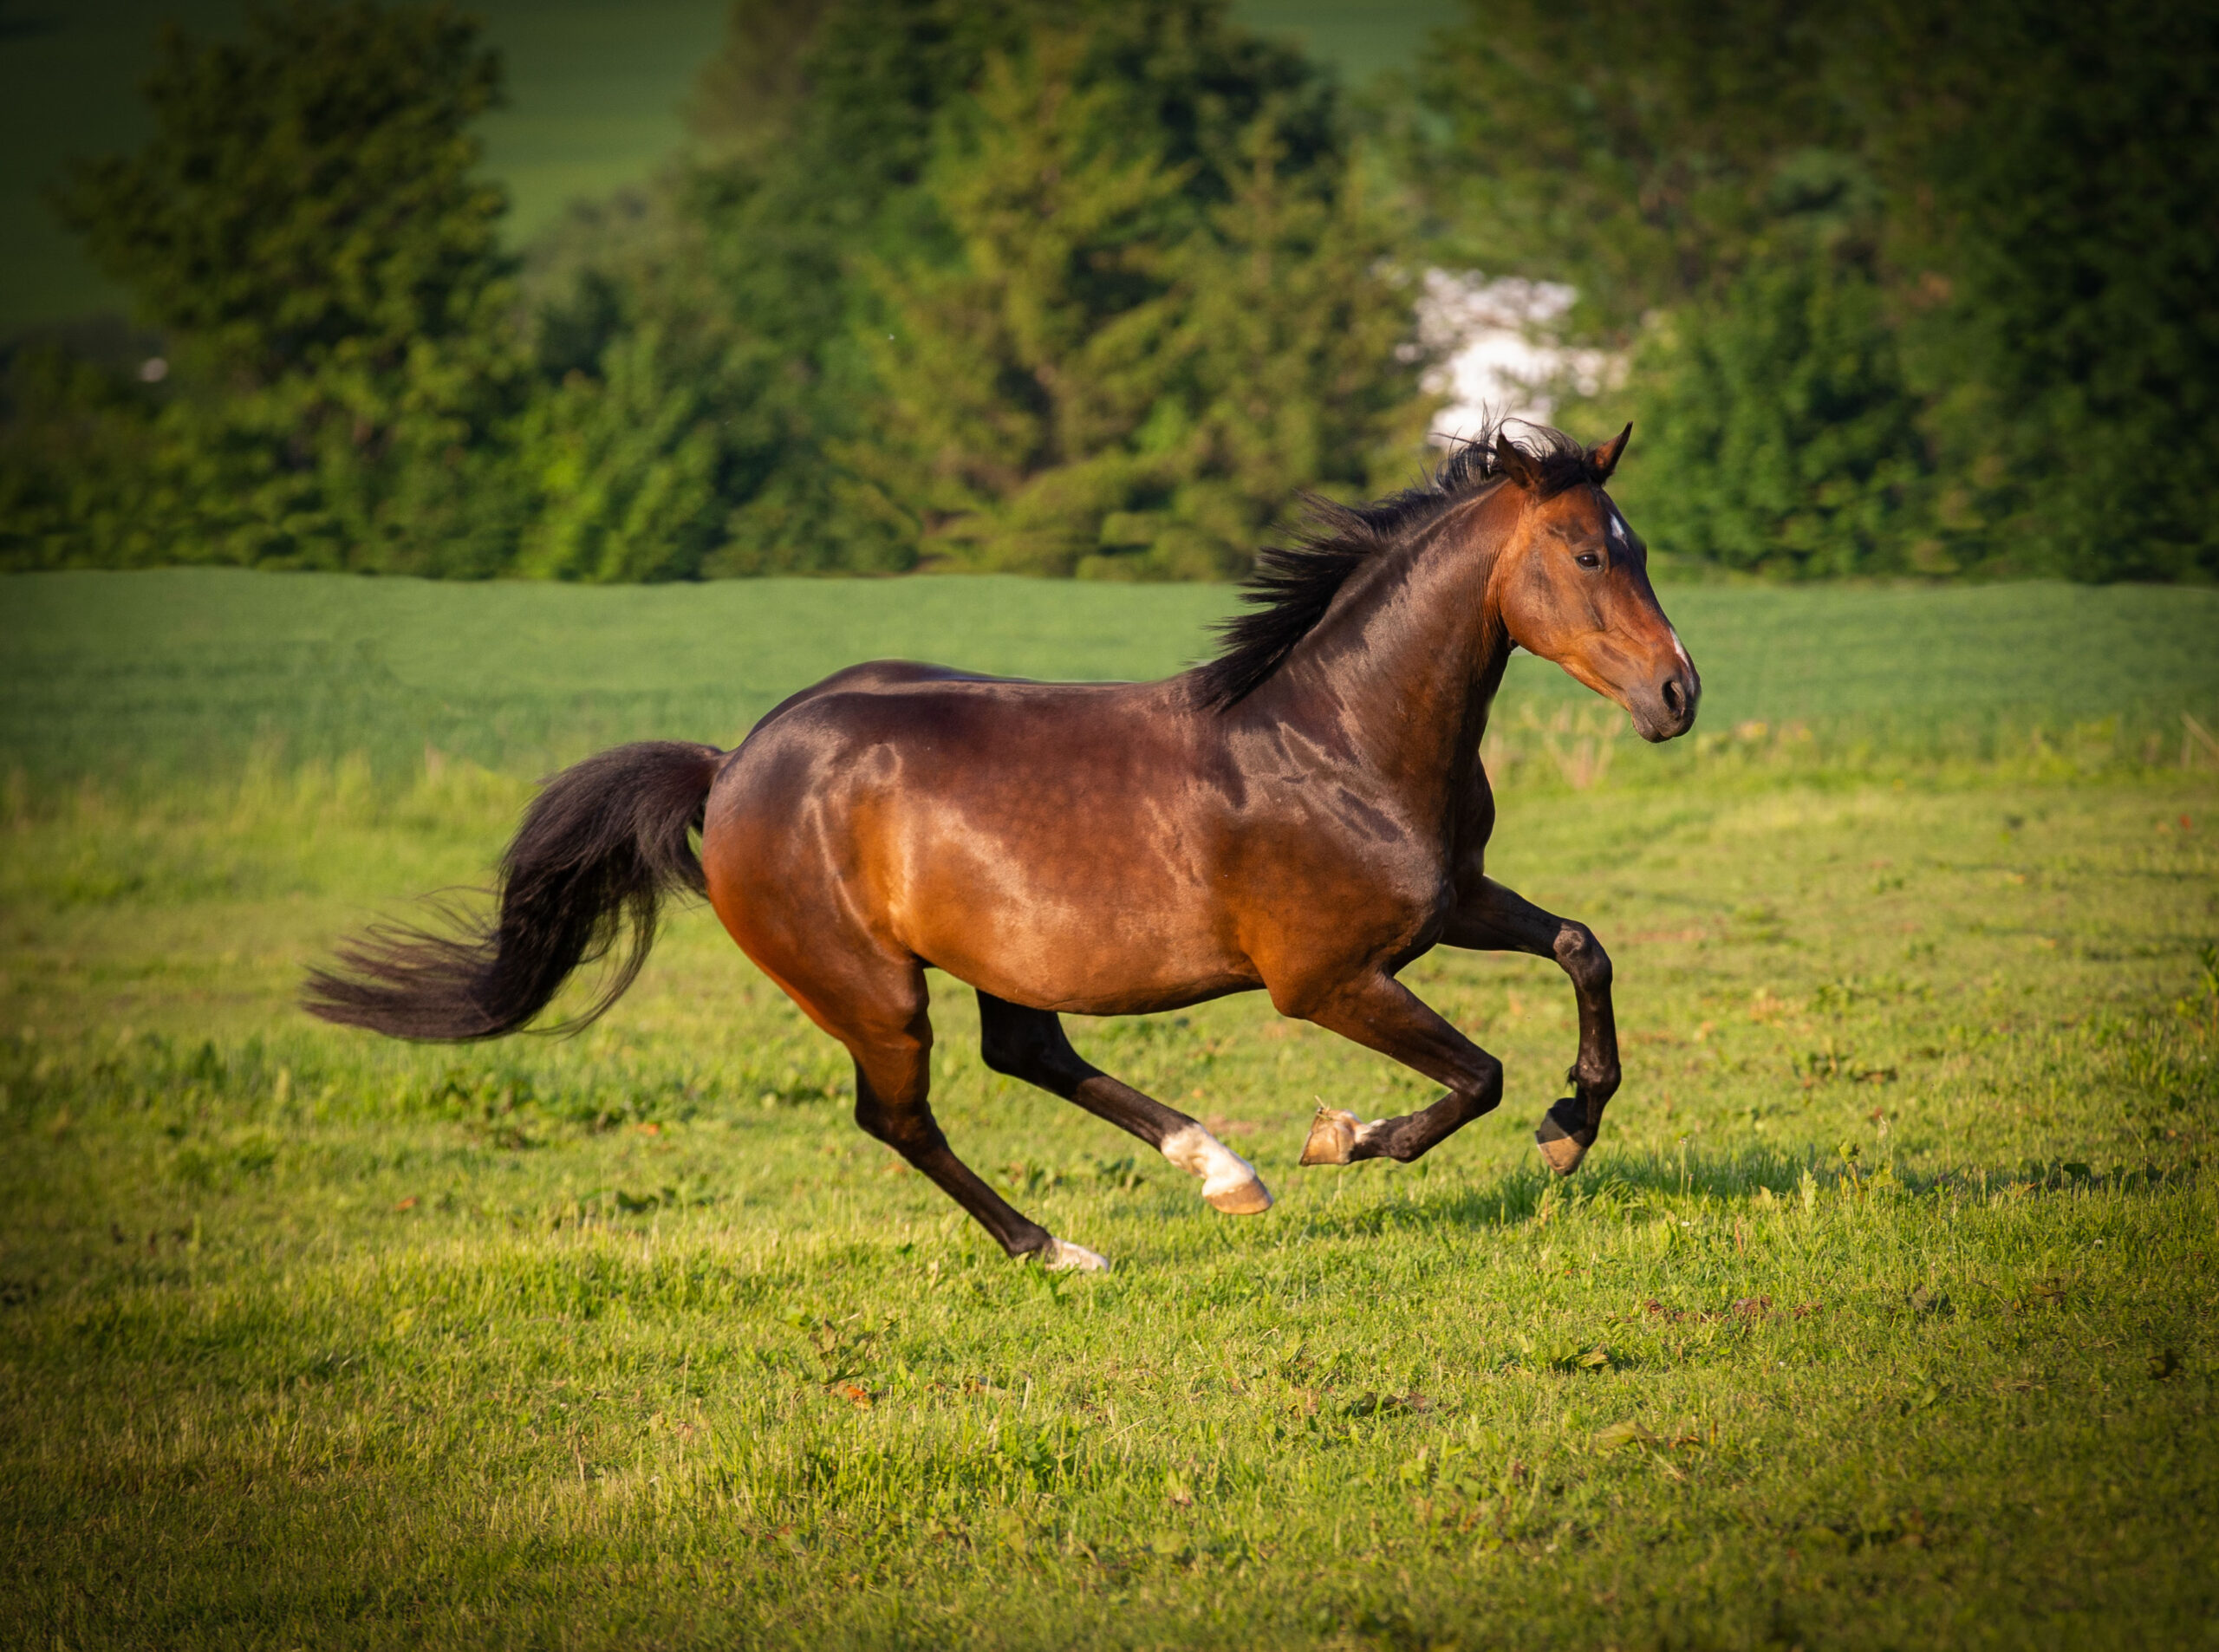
1675, 698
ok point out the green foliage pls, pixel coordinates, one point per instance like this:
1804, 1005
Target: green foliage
1097, 288
306, 205
2009, 321
1016, 378
1634, 151
2055, 168
699, 384
304, 229
1115, 374
76, 438
1778, 435
984, 271
956, 281
626, 468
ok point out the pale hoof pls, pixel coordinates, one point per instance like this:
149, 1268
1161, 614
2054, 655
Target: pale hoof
1061, 1256
1563, 1152
1229, 1181
1249, 1198
1559, 1144
1333, 1137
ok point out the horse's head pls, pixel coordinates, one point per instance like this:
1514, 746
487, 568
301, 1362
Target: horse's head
1571, 583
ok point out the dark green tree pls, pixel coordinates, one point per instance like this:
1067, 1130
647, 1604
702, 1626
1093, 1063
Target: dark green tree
1777, 433
1956, 261
824, 209
2053, 172
1117, 374
1635, 152
1014, 375
77, 448
305, 229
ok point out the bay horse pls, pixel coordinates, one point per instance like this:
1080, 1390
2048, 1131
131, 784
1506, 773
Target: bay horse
1306, 813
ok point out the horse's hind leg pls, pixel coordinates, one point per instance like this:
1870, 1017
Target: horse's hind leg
1030, 1044
888, 1030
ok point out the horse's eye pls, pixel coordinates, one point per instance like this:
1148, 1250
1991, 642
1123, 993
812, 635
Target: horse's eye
1588, 559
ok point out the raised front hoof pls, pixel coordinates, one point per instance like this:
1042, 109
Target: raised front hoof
1249, 1198
1061, 1256
1333, 1137
1564, 1137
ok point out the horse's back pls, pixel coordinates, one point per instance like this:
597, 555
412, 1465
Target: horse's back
871, 677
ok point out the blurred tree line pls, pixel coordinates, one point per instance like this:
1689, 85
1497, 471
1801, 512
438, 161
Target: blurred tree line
1903, 286
1086, 288
1094, 289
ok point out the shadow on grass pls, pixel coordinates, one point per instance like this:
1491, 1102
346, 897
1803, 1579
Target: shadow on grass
1628, 1186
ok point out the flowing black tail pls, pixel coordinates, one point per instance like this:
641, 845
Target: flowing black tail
599, 849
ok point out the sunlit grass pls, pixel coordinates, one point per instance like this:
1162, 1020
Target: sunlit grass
324, 1339
1880, 1316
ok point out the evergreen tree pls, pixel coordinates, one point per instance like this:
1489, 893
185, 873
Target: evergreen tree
624, 470
1778, 436
1937, 278
1637, 153
2055, 194
304, 228
817, 207
1013, 377
1116, 373
1297, 328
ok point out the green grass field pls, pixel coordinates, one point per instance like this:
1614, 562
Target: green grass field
1881, 1316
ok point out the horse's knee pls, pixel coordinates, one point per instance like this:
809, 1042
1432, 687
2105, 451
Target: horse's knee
1582, 958
1485, 1085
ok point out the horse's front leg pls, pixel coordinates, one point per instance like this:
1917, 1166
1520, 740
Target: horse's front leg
1379, 1012
1496, 919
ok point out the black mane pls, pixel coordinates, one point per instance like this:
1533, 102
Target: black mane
1293, 585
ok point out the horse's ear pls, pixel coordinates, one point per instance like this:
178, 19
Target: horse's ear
1515, 462
1603, 458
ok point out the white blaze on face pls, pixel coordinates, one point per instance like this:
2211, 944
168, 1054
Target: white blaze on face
1229, 1181
1619, 535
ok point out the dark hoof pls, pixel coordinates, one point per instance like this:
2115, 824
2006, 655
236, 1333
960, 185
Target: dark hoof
1564, 1137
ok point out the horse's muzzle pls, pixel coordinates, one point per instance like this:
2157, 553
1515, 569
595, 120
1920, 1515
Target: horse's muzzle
1667, 709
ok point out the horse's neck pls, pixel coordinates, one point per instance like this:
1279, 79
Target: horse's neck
1399, 677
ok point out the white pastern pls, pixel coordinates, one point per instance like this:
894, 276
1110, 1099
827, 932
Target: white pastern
1059, 1256
1229, 1181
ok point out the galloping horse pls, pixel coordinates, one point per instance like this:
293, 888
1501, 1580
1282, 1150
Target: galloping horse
1306, 813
